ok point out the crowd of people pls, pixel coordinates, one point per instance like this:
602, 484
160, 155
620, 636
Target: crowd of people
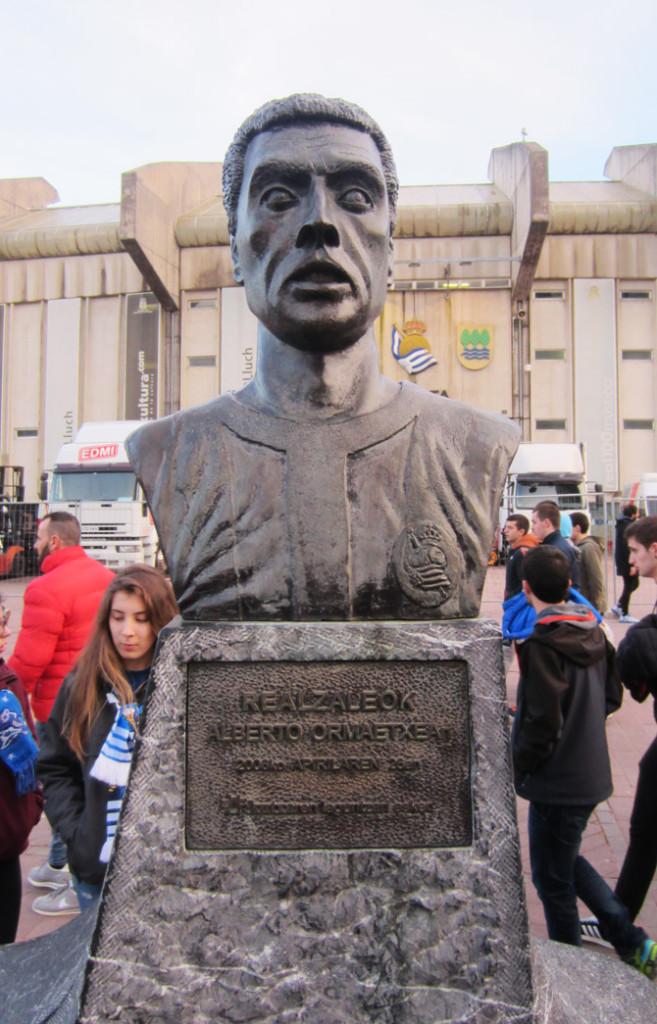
83, 658
571, 680
73, 691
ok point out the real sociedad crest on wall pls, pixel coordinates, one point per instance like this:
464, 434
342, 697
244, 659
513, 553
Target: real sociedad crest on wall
410, 348
474, 346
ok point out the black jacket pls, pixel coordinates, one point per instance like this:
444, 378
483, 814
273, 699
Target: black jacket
76, 804
621, 550
637, 659
555, 540
568, 686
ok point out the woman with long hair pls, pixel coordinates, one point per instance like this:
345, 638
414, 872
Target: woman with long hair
84, 760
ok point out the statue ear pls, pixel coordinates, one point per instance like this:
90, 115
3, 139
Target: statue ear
237, 270
391, 260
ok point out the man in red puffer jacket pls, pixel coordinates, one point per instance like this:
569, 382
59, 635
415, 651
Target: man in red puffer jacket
59, 610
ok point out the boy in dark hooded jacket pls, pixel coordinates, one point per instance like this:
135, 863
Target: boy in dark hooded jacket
568, 685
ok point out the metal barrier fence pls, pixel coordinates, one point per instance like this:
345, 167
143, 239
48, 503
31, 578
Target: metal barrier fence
18, 530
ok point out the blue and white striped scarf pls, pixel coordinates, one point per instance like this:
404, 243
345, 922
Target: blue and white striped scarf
112, 766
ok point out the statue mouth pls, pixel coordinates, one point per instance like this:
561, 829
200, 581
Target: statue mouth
320, 274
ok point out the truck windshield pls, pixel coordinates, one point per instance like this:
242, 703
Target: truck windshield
567, 495
90, 486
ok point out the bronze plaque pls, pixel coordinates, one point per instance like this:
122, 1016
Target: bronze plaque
327, 755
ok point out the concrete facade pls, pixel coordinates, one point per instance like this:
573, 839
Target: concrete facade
535, 299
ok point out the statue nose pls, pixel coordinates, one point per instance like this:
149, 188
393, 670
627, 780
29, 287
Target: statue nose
318, 229
318, 235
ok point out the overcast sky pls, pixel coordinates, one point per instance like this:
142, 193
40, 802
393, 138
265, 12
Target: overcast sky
91, 88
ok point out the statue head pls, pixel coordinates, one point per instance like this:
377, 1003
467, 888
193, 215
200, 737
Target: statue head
298, 109
311, 190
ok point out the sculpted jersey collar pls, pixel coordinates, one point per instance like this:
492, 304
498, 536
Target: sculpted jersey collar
344, 435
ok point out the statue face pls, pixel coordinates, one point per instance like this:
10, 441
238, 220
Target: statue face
313, 243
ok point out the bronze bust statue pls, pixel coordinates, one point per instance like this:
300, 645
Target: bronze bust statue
322, 489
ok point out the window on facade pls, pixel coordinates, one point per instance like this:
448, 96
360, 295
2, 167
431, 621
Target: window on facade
636, 353
549, 353
549, 293
550, 424
202, 361
636, 294
26, 432
638, 424
202, 304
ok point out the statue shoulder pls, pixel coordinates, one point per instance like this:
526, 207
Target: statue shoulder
147, 442
156, 442
459, 421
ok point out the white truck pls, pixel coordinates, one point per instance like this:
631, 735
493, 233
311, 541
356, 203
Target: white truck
93, 479
542, 471
643, 493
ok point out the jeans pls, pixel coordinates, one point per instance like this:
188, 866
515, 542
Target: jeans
561, 875
10, 898
630, 584
86, 893
641, 857
57, 855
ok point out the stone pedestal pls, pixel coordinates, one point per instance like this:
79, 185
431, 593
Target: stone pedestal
320, 826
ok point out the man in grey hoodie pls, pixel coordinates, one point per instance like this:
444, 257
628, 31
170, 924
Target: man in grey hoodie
568, 685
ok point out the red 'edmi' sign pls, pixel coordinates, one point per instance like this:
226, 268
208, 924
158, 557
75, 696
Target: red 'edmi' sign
98, 451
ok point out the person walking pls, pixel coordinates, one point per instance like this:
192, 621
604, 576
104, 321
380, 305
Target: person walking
591, 566
58, 612
568, 685
623, 567
85, 755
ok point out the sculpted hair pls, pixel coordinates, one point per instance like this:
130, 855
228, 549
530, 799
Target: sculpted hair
65, 526
581, 520
643, 530
521, 521
299, 109
547, 570
99, 662
548, 510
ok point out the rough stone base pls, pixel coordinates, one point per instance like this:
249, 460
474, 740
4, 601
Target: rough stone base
581, 986
412, 936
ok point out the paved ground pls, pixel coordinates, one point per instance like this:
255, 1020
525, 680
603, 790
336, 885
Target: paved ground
630, 732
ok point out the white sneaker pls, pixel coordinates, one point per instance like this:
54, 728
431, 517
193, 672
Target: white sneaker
51, 878
627, 618
590, 931
616, 611
59, 901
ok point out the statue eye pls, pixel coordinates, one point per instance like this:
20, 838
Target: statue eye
278, 198
356, 199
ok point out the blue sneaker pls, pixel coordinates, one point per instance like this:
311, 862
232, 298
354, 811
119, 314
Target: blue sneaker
644, 959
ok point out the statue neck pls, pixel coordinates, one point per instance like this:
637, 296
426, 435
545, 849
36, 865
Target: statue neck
310, 385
